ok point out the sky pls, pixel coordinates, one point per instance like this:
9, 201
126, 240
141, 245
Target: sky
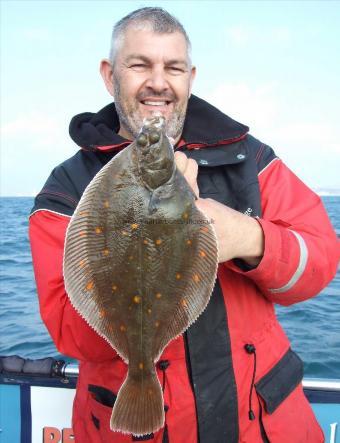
272, 65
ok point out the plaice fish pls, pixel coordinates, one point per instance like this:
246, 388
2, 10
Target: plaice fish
140, 263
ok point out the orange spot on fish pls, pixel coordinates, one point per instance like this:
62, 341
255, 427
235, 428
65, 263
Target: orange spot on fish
82, 263
204, 229
158, 241
196, 278
82, 234
98, 230
189, 242
106, 252
134, 225
141, 366
185, 215
184, 303
149, 311
178, 276
145, 241
110, 328
158, 295
114, 288
131, 257
122, 328
202, 254
137, 299
106, 204
90, 285
102, 313
124, 233
157, 323
83, 213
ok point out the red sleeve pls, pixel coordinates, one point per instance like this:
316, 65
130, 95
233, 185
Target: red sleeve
70, 333
301, 251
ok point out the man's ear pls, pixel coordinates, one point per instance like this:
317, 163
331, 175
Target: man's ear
106, 72
192, 78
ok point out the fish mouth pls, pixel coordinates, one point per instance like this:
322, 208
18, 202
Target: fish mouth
156, 121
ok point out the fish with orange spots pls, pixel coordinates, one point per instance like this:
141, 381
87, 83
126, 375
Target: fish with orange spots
139, 205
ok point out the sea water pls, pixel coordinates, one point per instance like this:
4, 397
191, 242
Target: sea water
312, 326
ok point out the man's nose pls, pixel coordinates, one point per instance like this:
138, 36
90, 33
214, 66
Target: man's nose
157, 79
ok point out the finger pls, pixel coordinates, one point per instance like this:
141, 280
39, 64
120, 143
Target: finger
191, 171
191, 175
181, 161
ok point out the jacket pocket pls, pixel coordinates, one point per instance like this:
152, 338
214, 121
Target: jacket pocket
285, 414
280, 381
218, 172
102, 395
101, 402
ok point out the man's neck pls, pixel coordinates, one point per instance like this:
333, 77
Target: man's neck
125, 134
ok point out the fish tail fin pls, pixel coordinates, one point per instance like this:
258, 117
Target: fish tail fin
139, 407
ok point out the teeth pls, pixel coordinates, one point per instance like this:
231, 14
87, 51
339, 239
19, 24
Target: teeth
155, 103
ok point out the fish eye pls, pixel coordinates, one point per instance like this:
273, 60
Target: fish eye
154, 137
142, 140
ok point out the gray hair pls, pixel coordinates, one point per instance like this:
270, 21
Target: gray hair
156, 19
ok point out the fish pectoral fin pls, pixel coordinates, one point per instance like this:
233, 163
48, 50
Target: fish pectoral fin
159, 195
153, 203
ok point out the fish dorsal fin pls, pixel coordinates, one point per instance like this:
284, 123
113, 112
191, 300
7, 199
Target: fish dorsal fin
89, 271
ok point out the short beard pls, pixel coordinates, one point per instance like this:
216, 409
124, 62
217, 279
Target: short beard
128, 115
131, 120
174, 126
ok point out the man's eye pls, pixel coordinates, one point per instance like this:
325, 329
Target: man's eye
175, 70
138, 66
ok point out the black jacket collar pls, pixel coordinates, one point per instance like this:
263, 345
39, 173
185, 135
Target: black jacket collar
204, 126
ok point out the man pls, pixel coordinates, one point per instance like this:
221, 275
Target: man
232, 376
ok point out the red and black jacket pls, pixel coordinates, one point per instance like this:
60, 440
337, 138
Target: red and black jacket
218, 352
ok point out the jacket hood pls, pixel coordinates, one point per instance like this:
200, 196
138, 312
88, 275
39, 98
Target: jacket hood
204, 126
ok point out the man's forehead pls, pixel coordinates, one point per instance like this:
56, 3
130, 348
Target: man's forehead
149, 44
136, 56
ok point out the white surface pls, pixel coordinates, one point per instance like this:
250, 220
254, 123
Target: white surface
51, 407
320, 384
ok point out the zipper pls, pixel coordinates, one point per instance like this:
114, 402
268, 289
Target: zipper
263, 431
188, 365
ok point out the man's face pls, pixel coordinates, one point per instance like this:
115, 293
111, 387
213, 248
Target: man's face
151, 73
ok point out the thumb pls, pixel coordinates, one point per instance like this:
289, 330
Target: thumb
189, 168
181, 161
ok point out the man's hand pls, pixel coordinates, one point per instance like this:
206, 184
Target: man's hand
238, 235
189, 168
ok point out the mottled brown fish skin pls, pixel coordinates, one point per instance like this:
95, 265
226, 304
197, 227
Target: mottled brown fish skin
140, 264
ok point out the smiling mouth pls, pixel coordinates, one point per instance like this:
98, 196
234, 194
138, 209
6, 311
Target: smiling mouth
155, 103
